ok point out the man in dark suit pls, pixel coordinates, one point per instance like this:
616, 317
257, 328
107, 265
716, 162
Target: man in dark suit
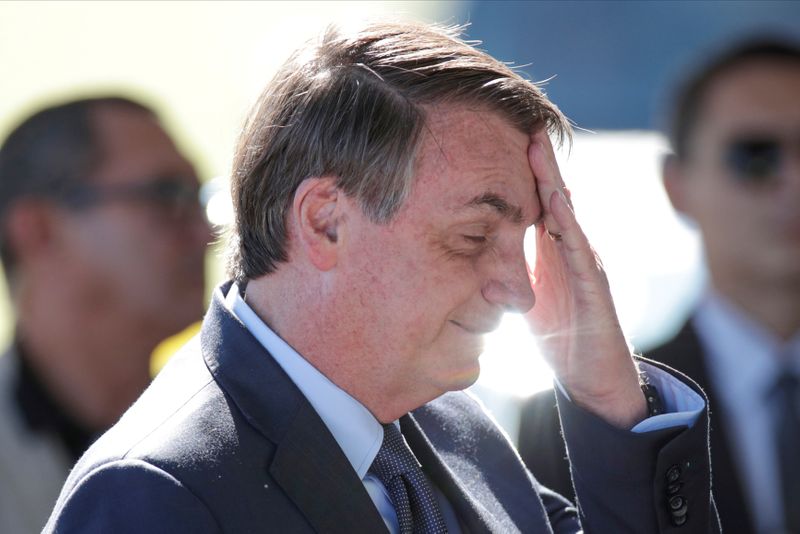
382, 189
735, 172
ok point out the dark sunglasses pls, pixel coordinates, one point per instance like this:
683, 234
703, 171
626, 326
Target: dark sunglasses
756, 160
174, 195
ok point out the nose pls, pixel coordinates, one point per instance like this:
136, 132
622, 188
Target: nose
508, 285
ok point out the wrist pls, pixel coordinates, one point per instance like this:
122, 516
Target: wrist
623, 406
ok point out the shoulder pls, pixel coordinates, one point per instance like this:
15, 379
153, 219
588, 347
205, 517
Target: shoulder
175, 446
112, 496
183, 401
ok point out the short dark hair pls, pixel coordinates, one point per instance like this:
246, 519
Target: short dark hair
352, 106
50, 151
689, 98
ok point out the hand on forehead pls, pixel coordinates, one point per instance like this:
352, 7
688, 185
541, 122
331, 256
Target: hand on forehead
547, 176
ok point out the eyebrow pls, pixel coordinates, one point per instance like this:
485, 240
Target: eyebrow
498, 204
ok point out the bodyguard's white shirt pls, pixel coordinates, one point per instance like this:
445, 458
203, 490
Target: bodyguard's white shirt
743, 364
360, 435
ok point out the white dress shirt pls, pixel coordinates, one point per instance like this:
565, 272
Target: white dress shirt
743, 364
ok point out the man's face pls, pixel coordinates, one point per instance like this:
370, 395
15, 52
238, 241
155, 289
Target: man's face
137, 256
750, 221
424, 288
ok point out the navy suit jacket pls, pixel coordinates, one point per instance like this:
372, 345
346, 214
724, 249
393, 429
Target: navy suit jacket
223, 441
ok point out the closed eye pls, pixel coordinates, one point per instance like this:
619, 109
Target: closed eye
477, 239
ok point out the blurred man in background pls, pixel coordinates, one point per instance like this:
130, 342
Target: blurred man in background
735, 172
102, 239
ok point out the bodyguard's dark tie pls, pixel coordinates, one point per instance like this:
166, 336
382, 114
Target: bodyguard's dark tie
787, 395
412, 497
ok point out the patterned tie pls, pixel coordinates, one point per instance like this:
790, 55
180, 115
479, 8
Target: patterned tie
786, 393
412, 497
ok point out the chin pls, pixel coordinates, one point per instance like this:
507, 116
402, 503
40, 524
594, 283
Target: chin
467, 376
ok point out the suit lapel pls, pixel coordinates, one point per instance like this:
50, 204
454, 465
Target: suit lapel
315, 474
308, 463
471, 513
475, 467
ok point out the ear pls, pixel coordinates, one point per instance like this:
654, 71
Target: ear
31, 228
317, 214
674, 179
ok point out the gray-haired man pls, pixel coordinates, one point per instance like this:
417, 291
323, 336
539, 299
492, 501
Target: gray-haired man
382, 189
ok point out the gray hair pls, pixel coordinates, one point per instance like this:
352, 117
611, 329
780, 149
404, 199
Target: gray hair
350, 106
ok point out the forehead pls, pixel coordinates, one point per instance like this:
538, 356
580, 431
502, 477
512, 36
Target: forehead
467, 153
134, 146
758, 95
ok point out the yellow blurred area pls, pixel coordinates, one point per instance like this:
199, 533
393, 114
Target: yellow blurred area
167, 348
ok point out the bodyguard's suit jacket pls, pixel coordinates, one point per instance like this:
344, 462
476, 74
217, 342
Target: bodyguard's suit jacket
223, 441
542, 448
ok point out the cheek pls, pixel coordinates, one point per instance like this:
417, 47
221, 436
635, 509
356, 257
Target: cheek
410, 279
137, 252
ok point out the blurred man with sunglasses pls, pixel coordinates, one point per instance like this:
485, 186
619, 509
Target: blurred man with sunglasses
735, 172
102, 241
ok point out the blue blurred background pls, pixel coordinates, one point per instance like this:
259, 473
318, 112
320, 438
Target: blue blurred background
615, 62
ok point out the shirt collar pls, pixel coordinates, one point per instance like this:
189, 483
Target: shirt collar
354, 428
743, 354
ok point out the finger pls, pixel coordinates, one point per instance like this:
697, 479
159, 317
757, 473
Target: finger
548, 177
580, 257
548, 254
547, 280
544, 160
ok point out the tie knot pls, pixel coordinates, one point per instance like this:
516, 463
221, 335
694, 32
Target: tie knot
394, 457
412, 497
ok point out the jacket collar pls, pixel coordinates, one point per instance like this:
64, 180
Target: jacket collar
307, 462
